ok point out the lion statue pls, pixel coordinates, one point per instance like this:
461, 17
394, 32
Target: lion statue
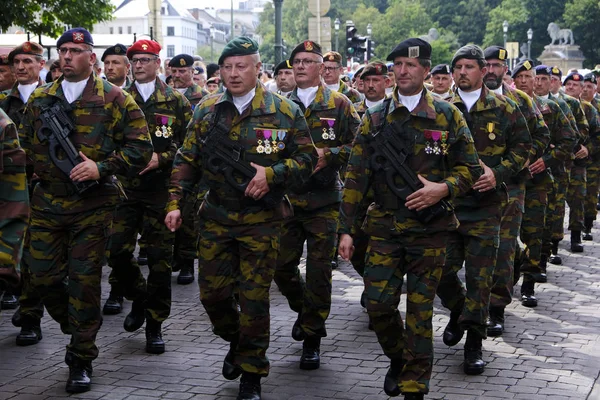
564, 36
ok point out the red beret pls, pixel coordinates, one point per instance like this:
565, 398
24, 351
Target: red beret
144, 46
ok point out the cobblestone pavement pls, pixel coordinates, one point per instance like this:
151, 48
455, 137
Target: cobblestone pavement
549, 352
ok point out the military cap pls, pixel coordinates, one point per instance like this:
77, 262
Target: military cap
374, 69
4, 59
55, 65
285, 64
345, 78
596, 72
509, 72
543, 70
144, 46
211, 69
470, 52
214, 79
413, 48
574, 76
591, 77
239, 46
307, 46
495, 53
181, 61
441, 69
198, 70
358, 73
116, 50
30, 48
332, 56
556, 72
525, 65
75, 35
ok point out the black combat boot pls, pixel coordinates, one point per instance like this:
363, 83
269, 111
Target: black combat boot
9, 301
555, 258
576, 246
231, 371
527, 292
31, 331
495, 326
142, 258
80, 375
114, 303
474, 364
249, 387
390, 384
136, 317
154, 340
588, 223
16, 318
542, 277
311, 349
297, 331
453, 332
186, 275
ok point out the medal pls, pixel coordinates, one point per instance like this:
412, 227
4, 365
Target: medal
492, 136
490, 129
163, 126
328, 132
158, 132
267, 135
260, 148
281, 136
436, 135
428, 148
444, 144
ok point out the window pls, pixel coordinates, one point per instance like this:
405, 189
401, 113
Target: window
171, 51
120, 30
111, 30
129, 30
170, 31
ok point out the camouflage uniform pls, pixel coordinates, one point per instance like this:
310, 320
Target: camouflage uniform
167, 114
315, 214
399, 243
239, 237
68, 231
504, 144
352, 94
593, 174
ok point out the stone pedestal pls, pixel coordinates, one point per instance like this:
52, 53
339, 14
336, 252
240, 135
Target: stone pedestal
565, 57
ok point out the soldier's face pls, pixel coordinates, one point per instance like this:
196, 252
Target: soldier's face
7, 79
27, 68
441, 83
331, 72
542, 85
573, 88
116, 69
374, 87
307, 69
56, 73
359, 85
145, 67
182, 77
468, 75
285, 80
240, 74
496, 69
589, 91
76, 61
555, 84
199, 79
410, 75
212, 87
525, 81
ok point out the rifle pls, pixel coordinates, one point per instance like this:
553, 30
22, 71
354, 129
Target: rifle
224, 156
56, 127
389, 156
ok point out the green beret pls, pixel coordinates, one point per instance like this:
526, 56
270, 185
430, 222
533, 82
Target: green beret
240, 46
470, 52
181, 61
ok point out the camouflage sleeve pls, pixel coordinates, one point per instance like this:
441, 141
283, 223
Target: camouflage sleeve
184, 115
593, 144
14, 213
563, 140
518, 144
540, 134
26, 133
134, 145
583, 127
347, 115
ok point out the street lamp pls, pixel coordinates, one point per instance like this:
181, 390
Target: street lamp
529, 38
212, 43
369, 32
369, 29
336, 25
505, 30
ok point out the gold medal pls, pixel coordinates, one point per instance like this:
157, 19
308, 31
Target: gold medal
492, 136
158, 132
260, 149
490, 129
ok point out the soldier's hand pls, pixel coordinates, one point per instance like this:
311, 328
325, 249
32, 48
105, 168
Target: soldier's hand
153, 164
258, 186
582, 153
537, 167
173, 220
346, 246
487, 181
87, 170
428, 195
322, 163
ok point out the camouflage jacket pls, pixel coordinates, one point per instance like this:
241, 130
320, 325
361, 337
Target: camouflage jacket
167, 113
361, 107
591, 114
194, 94
333, 123
458, 166
14, 213
11, 103
352, 94
581, 123
268, 117
109, 129
563, 137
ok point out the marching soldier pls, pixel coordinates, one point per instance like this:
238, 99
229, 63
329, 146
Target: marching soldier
441, 79
590, 84
7, 78
375, 80
284, 77
213, 84
332, 71
241, 221
72, 211
116, 65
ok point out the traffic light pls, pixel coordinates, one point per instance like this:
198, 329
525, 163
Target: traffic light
350, 33
370, 49
356, 46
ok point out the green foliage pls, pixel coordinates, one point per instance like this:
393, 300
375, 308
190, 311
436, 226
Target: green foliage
582, 17
517, 15
50, 16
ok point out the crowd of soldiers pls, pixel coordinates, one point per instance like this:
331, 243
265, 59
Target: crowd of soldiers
408, 171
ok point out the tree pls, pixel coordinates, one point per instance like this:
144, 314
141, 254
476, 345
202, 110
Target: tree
517, 15
266, 30
582, 17
50, 16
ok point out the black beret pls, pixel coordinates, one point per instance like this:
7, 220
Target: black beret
308, 46
358, 73
526, 65
198, 70
285, 64
441, 69
543, 70
591, 77
413, 48
556, 71
116, 50
211, 69
239, 46
75, 35
470, 52
181, 61
574, 76
495, 53
374, 69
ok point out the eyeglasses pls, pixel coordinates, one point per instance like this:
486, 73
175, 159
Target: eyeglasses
330, 69
496, 65
305, 61
73, 50
142, 60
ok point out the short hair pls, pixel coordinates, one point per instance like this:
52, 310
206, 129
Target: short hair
424, 63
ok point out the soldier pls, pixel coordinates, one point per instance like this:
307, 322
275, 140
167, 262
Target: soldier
441, 77
401, 242
183, 73
332, 71
71, 213
284, 76
54, 73
199, 76
167, 114
7, 78
116, 65
240, 220
590, 84
333, 122
503, 144
375, 79
212, 84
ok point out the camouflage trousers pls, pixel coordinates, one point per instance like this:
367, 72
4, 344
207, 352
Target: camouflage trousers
476, 244
361, 242
591, 197
532, 227
66, 255
30, 301
421, 260
310, 298
510, 226
555, 217
576, 197
143, 216
186, 237
240, 259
